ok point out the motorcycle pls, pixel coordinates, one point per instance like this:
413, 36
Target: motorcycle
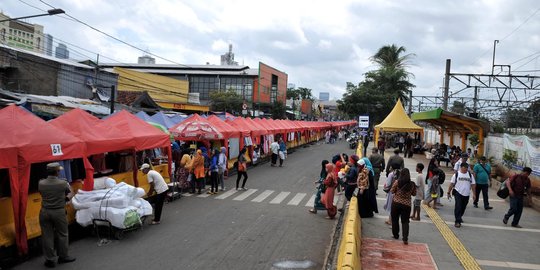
353, 141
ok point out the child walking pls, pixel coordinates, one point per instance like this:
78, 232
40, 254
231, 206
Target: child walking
419, 192
433, 190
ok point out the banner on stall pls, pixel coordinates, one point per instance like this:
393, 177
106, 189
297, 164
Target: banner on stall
524, 151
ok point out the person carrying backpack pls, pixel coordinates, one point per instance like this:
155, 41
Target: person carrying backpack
460, 187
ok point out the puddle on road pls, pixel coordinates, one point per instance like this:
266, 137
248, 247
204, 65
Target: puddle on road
293, 264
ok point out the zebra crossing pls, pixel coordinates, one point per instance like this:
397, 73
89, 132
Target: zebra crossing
263, 196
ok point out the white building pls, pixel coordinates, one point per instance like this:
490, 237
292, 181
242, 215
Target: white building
19, 34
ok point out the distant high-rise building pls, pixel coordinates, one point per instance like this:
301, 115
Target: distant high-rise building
21, 35
291, 85
62, 51
146, 59
48, 46
324, 96
227, 59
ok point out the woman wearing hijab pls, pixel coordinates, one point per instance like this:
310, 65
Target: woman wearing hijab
318, 205
351, 177
198, 171
331, 183
242, 169
183, 168
367, 200
403, 189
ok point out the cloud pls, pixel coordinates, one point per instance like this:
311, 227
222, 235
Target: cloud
319, 44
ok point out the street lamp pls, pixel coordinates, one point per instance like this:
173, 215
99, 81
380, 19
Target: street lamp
50, 12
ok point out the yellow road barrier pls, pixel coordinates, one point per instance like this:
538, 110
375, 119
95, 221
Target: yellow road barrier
349, 246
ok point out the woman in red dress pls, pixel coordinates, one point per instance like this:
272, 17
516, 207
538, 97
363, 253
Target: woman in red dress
331, 183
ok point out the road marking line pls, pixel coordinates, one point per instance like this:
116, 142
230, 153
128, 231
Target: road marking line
226, 194
263, 196
455, 244
203, 195
245, 194
513, 265
297, 199
311, 201
280, 197
187, 194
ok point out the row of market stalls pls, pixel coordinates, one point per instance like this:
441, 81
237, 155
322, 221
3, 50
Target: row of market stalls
79, 137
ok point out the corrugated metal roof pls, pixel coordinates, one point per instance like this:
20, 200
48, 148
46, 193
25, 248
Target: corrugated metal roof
51, 58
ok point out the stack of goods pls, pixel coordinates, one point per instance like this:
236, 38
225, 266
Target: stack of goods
120, 204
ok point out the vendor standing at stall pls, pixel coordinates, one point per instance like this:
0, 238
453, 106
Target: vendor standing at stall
157, 184
52, 216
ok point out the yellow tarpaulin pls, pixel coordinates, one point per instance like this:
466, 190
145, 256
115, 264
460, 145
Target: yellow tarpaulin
160, 88
397, 121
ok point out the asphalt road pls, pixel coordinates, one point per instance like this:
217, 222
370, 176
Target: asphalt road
266, 227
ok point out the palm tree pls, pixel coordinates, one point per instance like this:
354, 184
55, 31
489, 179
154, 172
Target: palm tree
392, 76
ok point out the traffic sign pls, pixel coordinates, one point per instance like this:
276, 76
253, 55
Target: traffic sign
363, 121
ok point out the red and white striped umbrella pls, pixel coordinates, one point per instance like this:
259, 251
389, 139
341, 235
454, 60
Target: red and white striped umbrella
195, 130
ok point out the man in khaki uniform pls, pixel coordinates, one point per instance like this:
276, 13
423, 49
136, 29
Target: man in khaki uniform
52, 217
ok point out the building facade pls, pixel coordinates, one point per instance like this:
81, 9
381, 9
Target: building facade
61, 51
22, 35
39, 74
324, 96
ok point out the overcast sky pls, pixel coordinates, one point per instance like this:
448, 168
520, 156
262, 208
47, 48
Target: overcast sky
319, 44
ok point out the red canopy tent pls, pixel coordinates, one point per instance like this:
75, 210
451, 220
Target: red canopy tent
99, 136
35, 141
241, 125
227, 130
145, 136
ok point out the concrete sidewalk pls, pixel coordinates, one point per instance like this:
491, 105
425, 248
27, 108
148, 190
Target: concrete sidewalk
483, 238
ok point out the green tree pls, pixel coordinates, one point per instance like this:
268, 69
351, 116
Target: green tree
278, 110
458, 107
228, 101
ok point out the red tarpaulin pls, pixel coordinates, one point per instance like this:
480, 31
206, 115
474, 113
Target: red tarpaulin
144, 135
99, 136
35, 141
227, 130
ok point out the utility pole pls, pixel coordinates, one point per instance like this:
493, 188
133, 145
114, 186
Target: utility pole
475, 100
410, 102
112, 98
493, 62
446, 84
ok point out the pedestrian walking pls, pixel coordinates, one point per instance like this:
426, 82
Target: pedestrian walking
241, 169
198, 172
274, 147
402, 189
321, 188
367, 200
433, 186
401, 143
395, 159
381, 145
222, 167
377, 160
419, 183
52, 217
463, 159
183, 168
390, 179
330, 182
518, 186
157, 185
351, 177
282, 151
460, 187
214, 170
482, 171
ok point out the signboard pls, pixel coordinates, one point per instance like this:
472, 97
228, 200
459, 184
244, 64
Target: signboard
363, 121
56, 149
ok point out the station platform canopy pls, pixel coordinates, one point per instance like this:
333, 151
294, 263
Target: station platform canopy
445, 121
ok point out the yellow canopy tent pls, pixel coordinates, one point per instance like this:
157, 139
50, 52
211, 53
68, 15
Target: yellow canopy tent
397, 121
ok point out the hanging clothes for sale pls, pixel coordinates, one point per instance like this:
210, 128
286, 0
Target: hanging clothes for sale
66, 172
